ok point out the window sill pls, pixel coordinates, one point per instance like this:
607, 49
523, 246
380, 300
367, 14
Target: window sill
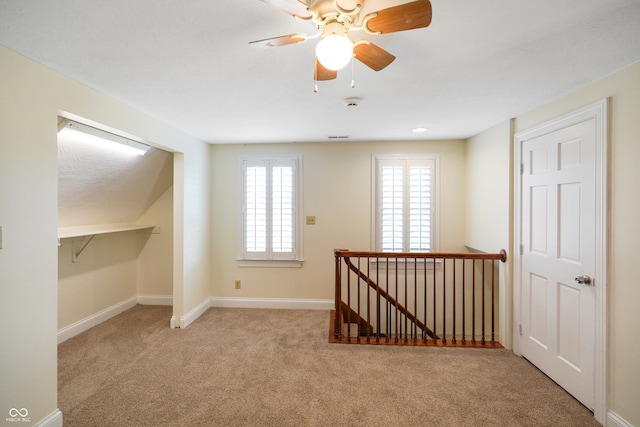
265, 263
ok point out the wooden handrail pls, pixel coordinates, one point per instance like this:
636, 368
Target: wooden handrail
345, 253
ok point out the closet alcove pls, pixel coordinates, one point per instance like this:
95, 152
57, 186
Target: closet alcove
115, 228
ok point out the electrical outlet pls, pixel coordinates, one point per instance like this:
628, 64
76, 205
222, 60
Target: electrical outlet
238, 284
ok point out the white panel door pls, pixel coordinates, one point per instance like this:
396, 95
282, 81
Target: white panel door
558, 246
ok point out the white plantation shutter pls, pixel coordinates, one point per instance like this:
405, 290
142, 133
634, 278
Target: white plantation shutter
392, 206
256, 209
404, 206
282, 209
270, 214
419, 208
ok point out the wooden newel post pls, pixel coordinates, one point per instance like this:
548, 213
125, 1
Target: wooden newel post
337, 324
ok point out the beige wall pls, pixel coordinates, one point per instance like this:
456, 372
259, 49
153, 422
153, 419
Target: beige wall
155, 262
104, 275
28, 272
31, 98
337, 191
488, 184
623, 294
488, 209
195, 221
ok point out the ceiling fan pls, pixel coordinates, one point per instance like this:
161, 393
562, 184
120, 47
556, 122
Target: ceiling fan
335, 23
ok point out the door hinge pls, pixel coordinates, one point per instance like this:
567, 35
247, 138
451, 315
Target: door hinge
521, 168
521, 249
520, 329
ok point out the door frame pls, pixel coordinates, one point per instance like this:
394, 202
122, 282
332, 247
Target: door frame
600, 112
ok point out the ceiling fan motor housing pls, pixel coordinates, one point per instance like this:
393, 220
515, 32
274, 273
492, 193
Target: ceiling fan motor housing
334, 27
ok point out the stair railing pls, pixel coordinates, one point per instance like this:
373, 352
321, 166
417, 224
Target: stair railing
425, 298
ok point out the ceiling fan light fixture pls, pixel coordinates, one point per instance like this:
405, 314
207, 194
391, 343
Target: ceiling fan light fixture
334, 51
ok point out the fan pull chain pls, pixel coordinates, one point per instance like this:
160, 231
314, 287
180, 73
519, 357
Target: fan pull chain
353, 75
315, 88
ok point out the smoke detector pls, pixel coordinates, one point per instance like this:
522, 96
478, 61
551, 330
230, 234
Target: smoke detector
352, 102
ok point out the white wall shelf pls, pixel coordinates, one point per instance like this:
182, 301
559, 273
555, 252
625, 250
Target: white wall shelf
92, 230
88, 232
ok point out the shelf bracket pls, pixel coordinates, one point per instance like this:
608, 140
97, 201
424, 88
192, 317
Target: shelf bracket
79, 246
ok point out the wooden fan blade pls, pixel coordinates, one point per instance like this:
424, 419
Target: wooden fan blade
322, 73
278, 41
372, 56
292, 7
407, 16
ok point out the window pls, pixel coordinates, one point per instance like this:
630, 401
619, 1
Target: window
404, 203
270, 188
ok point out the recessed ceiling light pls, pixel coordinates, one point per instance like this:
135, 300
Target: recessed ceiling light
418, 130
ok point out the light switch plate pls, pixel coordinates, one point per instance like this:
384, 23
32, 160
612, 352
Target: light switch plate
311, 220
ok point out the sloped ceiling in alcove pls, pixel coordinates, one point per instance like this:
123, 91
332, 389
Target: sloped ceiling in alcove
97, 185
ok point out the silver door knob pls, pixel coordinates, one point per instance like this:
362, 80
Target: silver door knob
585, 280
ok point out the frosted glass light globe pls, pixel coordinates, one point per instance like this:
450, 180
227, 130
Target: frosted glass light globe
334, 52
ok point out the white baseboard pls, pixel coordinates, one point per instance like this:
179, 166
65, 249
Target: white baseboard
191, 316
230, 302
155, 300
277, 303
54, 419
184, 321
95, 319
615, 420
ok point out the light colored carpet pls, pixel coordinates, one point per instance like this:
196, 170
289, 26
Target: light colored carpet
251, 367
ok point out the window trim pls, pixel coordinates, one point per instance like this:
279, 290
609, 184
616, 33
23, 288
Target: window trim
375, 217
297, 257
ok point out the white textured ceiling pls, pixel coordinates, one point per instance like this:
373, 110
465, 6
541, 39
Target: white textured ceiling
97, 185
189, 63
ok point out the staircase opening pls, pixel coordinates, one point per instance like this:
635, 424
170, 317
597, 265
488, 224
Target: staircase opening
436, 299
